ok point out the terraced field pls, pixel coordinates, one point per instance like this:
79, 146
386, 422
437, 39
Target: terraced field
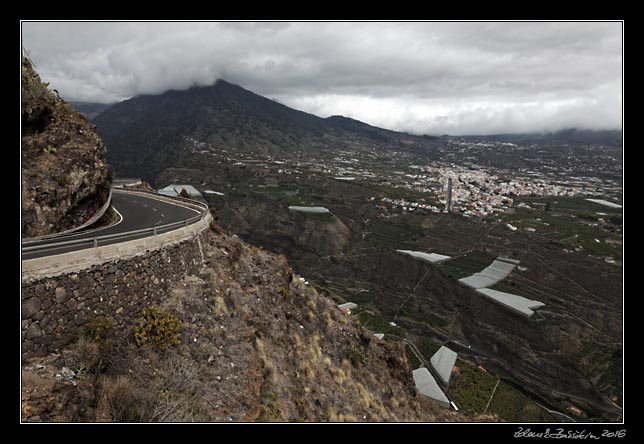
581, 293
467, 264
512, 406
393, 235
478, 391
471, 388
572, 221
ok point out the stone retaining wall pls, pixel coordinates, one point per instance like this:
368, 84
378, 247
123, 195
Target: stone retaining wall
74, 261
55, 309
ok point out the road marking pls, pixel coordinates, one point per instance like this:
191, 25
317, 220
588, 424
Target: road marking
120, 217
169, 203
82, 233
153, 209
55, 247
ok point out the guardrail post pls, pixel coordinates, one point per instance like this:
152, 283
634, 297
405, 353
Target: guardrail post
186, 222
96, 242
155, 230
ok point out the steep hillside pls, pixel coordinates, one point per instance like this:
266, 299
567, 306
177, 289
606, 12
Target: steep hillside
65, 177
147, 134
364, 129
244, 340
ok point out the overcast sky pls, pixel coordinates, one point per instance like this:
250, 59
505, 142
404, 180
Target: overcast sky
425, 78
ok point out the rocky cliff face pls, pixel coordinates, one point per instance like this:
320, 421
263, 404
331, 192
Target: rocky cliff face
65, 177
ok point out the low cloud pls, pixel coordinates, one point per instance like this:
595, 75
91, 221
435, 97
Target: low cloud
428, 78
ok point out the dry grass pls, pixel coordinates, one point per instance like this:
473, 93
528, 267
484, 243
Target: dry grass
89, 353
306, 370
178, 374
340, 378
346, 366
330, 414
363, 395
297, 341
347, 418
174, 394
328, 326
118, 399
220, 307
269, 367
315, 353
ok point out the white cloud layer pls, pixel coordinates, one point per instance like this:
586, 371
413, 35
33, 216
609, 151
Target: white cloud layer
428, 77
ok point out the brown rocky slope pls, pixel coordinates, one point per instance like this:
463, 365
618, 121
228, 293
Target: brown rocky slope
255, 343
65, 178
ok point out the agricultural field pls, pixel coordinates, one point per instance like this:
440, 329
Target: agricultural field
378, 325
602, 360
393, 235
512, 406
427, 347
290, 195
422, 314
576, 222
411, 356
467, 264
563, 264
473, 390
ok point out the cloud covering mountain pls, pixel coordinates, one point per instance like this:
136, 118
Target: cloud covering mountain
421, 77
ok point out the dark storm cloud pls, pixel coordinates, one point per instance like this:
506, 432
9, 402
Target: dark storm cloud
421, 77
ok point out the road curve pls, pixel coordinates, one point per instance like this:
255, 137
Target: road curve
137, 212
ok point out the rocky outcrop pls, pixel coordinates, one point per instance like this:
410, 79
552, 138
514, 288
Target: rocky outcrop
65, 177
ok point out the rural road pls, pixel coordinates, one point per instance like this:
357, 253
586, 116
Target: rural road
137, 212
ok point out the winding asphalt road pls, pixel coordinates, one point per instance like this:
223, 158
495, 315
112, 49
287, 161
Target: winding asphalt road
137, 212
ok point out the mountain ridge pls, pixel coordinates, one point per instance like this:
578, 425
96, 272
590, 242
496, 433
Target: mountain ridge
90, 109
569, 135
146, 134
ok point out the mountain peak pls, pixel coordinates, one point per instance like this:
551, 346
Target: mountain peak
225, 83
152, 130
348, 121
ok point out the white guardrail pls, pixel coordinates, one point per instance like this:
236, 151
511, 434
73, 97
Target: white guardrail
27, 244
